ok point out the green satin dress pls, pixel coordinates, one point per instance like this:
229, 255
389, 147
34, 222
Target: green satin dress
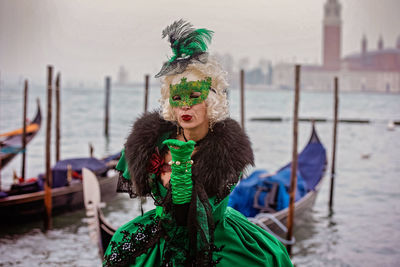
154, 239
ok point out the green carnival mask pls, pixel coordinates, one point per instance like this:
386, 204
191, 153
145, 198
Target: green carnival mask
189, 93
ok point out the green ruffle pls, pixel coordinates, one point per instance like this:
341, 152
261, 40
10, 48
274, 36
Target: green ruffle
122, 166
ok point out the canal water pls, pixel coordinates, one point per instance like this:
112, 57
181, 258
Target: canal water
364, 229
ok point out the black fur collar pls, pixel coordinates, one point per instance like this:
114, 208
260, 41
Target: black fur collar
221, 156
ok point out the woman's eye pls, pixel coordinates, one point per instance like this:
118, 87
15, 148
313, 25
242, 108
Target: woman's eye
176, 98
195, 95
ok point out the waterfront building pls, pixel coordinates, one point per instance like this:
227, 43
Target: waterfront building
375, 70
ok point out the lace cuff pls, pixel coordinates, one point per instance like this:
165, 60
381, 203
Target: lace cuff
125, 184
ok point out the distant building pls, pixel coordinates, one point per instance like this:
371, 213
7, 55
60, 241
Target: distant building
258, 76
122, 76
382, 59
375, 70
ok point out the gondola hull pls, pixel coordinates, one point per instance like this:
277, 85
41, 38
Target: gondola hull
311, 169
30, 206
106, 232
300, 209
12, 144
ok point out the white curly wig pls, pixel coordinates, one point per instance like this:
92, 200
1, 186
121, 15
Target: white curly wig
216, 102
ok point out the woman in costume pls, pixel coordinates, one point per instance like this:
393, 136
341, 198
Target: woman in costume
188, 157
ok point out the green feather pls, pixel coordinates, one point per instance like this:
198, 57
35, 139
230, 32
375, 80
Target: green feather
196, 42
186, 43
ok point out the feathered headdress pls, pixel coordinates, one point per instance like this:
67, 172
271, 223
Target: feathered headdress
188, 44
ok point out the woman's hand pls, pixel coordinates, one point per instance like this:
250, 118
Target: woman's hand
180, 150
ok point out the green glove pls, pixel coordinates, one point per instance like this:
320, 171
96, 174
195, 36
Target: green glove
181, 166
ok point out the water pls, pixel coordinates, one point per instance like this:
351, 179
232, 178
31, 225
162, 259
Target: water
363, 230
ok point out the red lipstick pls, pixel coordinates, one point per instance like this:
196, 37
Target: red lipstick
186, 117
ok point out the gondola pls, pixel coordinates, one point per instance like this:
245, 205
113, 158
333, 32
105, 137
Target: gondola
11, 142
25, 201
311, 167
101, 231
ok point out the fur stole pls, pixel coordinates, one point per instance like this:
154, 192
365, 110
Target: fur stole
222, 155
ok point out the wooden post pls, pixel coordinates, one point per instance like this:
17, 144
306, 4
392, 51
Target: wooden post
146, 93
15, 177
69, 174
0, 176
24, 130
336, 84
91, 149
146, 96
0, 160
48, 224
242, 98
58, 117
107, 105
293, 176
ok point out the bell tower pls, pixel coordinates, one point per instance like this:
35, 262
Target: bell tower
332, 35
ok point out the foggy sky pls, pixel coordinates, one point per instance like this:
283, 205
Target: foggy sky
87, 40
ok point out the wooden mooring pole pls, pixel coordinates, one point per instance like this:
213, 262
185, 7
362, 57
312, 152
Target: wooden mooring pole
293, 176
58, 135
146, 93
24, 130
242, 98
48, 223
91, 150
146, 97
107, 105
0, 111
333, 165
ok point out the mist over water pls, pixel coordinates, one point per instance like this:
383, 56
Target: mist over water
87, 39
363, 230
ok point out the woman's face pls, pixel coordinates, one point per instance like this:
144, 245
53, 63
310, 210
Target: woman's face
190, 116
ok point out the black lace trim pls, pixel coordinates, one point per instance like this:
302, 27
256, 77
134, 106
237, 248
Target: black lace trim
176, 252
124, 253
125, 186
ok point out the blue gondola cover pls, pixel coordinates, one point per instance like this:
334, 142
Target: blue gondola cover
59, 171
250, 195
